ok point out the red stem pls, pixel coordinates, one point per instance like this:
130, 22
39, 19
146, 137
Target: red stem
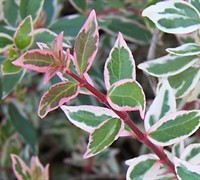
127, 120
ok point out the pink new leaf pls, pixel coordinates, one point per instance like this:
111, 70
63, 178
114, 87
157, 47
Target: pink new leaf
57, 95
57, 47
86, 44
37, 60
21, 170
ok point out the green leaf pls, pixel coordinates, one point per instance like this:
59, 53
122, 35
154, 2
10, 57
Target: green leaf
10, 81
163, 104
80, 5
70, 25
188, 49
43, 35
50, 9
56, 96
164, 132
23, 36
142, 167
8, 68
120, 63
177, 149
127, 95
132, 31
6, 41
178, 17
23, 126
103, 136
11, 12
185, 170
168, 65
196, 4
184, 82
86, 44
31, 8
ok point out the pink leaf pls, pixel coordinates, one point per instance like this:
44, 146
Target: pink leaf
57, 47
20, 168
36, 60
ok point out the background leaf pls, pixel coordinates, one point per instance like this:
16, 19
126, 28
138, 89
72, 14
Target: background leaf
23, 36
23, 126
11, 12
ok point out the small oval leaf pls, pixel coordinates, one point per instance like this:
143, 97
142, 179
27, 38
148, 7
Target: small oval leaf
57, 95
127, 95
103, 136
120, 63
143, 167
23, 37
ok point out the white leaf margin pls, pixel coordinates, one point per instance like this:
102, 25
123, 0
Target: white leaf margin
151, 173
169, 117
152, 12
145, 65
183, 48
89, 154
194, 160
193, 168
156, 106
120, 42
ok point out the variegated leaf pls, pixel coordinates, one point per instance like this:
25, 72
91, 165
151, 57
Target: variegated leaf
196, 4
103, 136
185, 170
87, 117
21, 170
191, 154
177, 16
168, 65
120, 63
163, 104
127, 95
177, 149
143, 167
37, 60
188, 49
57, 95
164, 132
86, 44
184, 82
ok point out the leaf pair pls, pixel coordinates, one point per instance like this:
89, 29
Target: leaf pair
124, 92
103, 125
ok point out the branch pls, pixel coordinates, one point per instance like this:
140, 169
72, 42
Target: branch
127, 120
